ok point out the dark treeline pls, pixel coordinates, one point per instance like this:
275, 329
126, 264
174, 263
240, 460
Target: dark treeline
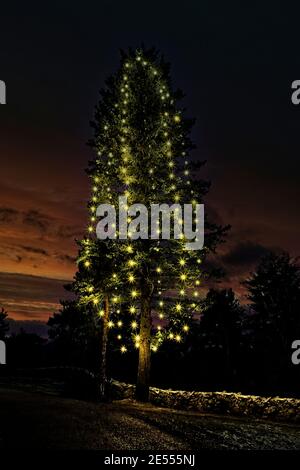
236, 347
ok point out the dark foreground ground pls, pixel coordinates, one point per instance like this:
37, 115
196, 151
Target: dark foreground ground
33, 420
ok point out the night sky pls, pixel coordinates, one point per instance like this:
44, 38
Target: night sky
235, 62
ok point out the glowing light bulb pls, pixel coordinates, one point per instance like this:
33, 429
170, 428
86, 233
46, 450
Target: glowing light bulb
171, 336
110, 324
178, 338
132, 309
178, 307
131, 278
197, 283
120, 323
87, 264
134, 325
185, 328
123, 349
154, 348
158, 270
129, 249
183, 277
119, 336
134, 293
177, 118
182, 262
101, 313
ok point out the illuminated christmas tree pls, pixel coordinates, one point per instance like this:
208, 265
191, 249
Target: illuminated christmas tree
142, 147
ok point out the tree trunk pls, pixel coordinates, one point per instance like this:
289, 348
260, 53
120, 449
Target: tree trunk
104, 336
143, 376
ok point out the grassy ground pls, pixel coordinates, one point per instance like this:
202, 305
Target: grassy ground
31, 419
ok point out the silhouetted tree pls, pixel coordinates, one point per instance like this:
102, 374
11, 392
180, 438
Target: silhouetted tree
25, 349
220, 328
75, 333
274, 292
4, 325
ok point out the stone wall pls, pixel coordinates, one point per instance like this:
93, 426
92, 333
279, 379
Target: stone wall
283, 409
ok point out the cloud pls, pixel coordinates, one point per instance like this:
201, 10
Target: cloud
37, 220
245, 254
27, 297
32, 249
7, 214
66, 258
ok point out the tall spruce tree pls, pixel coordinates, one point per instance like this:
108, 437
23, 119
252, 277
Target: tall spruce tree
142, 147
